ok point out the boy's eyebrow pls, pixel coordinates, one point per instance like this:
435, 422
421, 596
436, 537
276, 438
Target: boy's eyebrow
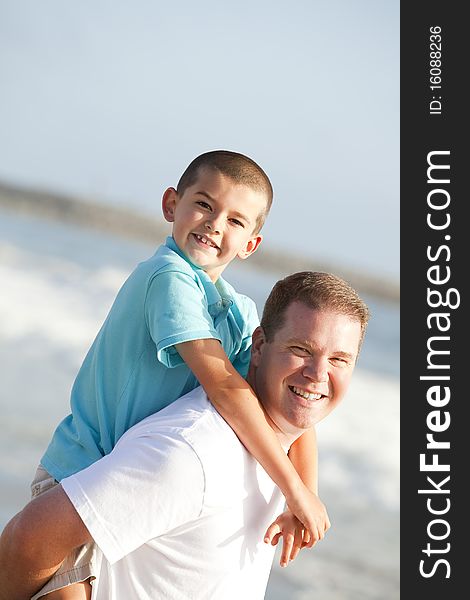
208, 196
241, 216
235, 213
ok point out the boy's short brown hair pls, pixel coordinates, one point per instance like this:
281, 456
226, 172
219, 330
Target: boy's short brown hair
317, 290
239, 168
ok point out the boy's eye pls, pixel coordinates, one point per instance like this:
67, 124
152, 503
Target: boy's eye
237, 222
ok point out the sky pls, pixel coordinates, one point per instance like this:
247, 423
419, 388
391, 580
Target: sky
111, 100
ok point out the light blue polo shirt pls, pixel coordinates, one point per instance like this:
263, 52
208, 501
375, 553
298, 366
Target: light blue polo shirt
132, 370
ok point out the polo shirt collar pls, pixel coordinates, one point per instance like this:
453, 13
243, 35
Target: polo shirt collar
219, 297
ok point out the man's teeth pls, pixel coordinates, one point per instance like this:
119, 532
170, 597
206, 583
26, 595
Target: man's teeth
304, 394
204, 240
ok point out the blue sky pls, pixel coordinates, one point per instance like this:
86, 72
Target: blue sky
111, 100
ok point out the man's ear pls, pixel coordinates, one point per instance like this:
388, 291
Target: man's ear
257, 342
169, 201
250, 247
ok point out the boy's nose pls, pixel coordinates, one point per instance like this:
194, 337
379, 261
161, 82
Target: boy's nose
213, 225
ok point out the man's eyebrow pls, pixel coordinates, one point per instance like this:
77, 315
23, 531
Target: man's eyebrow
343, 354
313, 347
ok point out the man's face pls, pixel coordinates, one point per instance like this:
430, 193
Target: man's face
304, 372
214, 220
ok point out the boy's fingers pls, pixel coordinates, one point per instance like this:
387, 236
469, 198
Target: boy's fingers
287, 544
273, 530
306, 539
297, 543
294, 553
311, 539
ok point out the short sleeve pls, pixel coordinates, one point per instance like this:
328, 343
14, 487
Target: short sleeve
176, 311
138, 492
241, 362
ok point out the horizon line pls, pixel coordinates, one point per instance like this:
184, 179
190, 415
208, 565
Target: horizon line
125, 222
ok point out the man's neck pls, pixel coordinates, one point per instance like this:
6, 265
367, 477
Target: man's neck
286, 439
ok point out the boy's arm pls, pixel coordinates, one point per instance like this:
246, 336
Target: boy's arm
235, 400
35, 542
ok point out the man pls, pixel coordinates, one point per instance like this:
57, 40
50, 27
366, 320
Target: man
179, 508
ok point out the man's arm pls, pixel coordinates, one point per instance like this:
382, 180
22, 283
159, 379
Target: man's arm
36, 541
304, 456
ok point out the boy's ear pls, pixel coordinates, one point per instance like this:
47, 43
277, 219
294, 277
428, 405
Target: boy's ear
169, 201
250, 247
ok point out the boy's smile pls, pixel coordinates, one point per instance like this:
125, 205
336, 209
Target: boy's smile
203, 239
214, 220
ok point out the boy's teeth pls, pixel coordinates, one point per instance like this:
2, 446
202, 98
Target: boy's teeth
304, 394
205, 240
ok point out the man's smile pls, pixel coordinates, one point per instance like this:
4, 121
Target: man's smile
305, 394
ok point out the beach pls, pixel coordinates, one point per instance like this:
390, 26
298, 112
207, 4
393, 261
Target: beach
58, 283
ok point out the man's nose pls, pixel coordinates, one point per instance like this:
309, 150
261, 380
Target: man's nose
316, 369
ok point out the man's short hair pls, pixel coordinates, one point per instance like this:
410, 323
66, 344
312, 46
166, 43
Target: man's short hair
241, 169
317, 290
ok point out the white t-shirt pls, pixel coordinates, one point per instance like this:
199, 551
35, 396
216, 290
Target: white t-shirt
178, 510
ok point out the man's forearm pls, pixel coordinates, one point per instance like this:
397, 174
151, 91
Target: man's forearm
304, 456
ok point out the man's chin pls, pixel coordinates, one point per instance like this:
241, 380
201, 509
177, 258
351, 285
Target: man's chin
304, 418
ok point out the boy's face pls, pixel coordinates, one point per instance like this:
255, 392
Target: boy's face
214, 220
305, 371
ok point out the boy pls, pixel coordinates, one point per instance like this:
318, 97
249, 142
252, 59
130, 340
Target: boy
176, 323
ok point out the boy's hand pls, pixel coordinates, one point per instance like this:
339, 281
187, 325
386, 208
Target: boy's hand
311, 512
294, 536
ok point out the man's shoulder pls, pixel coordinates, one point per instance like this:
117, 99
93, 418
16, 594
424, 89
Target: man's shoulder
192, 423
189, 417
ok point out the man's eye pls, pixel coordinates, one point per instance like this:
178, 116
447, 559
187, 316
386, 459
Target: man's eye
299, 351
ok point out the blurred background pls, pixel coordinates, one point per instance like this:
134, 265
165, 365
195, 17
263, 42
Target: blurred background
103, 105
